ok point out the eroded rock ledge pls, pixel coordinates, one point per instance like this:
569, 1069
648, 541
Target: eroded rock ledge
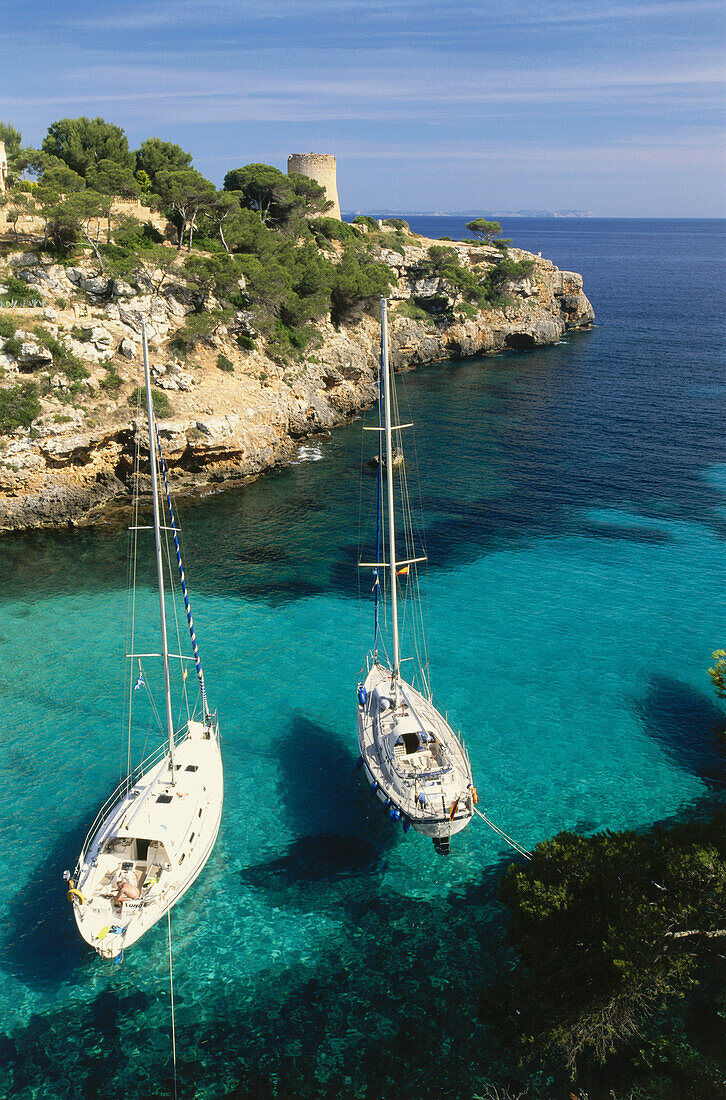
227, 426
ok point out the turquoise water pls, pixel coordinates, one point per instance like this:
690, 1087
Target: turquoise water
575, 508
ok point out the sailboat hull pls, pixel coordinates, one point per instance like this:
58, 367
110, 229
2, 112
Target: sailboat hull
157, 836
411, 758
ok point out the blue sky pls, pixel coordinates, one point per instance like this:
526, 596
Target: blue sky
614, 106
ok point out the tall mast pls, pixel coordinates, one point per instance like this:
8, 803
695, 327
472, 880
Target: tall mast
159, 557
389, 483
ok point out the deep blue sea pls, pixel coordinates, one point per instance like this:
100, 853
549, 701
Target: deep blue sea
575, 519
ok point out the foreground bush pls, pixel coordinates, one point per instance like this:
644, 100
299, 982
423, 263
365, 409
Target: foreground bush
619, 942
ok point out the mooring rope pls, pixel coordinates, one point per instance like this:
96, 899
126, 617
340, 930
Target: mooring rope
512, 843
171, 989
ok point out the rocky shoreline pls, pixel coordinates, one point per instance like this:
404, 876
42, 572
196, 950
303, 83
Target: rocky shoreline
226, 425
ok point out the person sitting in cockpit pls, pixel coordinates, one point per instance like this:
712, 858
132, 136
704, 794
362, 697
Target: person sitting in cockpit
127, 886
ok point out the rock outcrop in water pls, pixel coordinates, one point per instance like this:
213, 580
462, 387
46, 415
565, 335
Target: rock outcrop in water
234, 413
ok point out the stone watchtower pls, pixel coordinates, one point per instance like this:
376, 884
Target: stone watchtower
321, 168
4, 167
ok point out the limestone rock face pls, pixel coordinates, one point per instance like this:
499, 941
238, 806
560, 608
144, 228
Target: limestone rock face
122, 289
229, 425
32, 355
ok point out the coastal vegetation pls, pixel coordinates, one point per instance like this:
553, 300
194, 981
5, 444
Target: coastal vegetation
462, 282
262, 244
19, 406
253, 244
718, 679
161, 403
260, 311
617, 974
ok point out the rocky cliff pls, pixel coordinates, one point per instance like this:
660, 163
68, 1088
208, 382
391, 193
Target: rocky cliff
232, 413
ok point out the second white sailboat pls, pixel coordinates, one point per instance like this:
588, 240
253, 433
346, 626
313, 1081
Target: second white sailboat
412, 760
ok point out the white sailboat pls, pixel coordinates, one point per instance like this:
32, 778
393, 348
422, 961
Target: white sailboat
412, 759
153, 836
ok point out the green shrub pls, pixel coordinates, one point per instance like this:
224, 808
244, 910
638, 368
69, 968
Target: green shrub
13, 345
357, 282
63, 359
18, 291
19, 406
331, 229
61, 303
504, 272
81, 334
7, 333
197, 329
159, 400
132, 243
112, 382
366, 219
408, 308
398, 223
224, 363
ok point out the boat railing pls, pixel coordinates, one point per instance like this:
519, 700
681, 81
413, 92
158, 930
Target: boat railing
123, 789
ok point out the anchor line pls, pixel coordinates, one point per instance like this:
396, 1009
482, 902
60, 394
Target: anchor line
171, 990
187, 605
512, 843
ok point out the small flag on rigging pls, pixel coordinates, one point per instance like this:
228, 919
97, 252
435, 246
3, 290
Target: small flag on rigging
140, 682
402, 572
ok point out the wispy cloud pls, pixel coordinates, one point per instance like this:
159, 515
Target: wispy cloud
138, 15
406, 93
463, 84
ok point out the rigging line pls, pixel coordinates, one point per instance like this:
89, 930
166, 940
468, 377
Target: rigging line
129, 635
133, 572
183, 698
187, 605
512, 843
379, 500
360, 542
154, 709
418, 511
411, 606
171, 991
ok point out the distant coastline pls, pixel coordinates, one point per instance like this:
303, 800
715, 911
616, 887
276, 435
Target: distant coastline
473, 214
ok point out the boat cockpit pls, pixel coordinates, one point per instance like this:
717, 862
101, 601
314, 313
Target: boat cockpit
147, 860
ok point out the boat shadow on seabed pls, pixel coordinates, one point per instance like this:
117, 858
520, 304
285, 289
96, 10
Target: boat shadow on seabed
323, 802
40, 945
686, 723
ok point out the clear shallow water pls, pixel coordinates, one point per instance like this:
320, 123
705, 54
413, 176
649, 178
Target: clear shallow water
575, 505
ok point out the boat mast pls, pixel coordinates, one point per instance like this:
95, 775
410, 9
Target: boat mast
389, 484
379, 512
159, 557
